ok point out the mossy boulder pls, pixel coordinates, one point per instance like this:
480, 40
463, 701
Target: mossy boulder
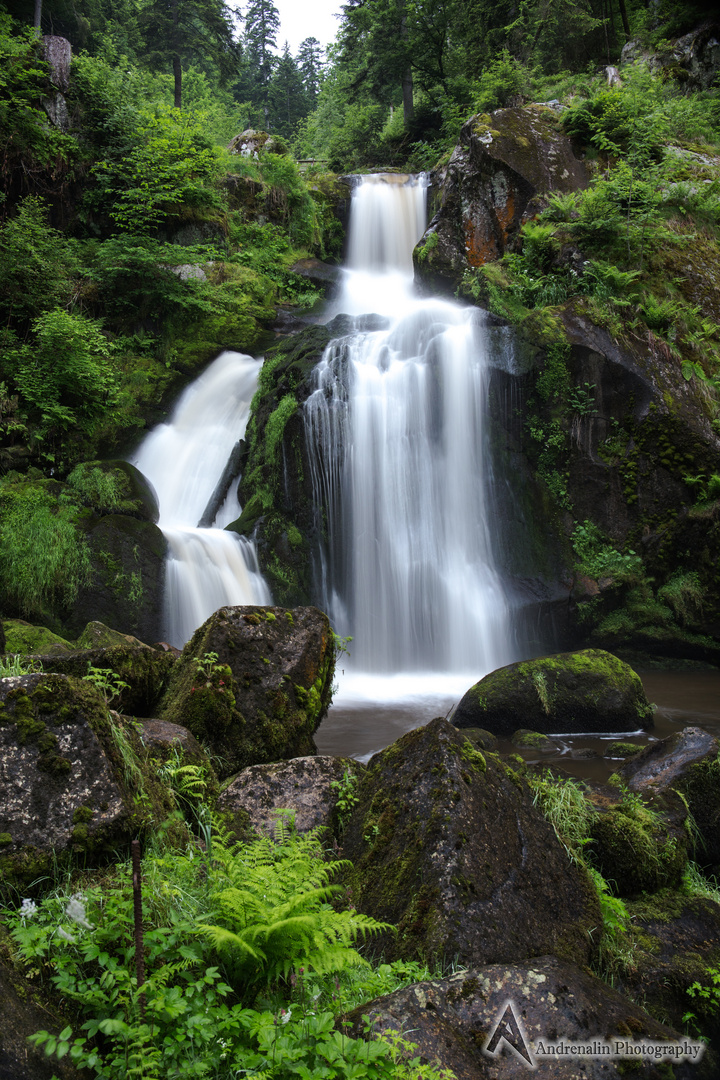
638, 848
677, 938
144, 670
589, 690
253, 684
125, 587
97, 635
73, 784
501, 164
447, 845
687, 762
304, 787
452, 1022
114, 487
23, 638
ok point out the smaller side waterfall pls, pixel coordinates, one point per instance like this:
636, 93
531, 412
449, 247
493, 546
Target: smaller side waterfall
185, 460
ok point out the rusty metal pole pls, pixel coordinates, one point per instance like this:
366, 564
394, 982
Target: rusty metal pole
137, 914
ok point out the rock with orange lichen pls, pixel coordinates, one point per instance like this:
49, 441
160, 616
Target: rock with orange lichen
501, 164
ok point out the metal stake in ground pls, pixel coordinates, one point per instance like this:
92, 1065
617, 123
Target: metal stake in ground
137, 913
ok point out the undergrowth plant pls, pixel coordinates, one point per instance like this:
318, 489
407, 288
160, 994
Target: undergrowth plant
247, 966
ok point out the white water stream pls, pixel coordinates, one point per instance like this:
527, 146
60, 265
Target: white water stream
401, 466
184, 461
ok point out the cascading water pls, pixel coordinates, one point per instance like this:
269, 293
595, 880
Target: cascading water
400, 464
185, 460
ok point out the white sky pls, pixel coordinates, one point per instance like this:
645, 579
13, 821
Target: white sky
300, 19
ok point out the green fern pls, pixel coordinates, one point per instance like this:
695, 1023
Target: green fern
271, 911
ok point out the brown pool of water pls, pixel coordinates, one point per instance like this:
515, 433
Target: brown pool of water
682, 699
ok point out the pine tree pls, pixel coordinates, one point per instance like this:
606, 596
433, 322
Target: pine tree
287, 98
310, 63
262, 23
176, 31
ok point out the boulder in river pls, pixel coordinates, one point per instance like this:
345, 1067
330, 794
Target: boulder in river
688, 762
589, 690
253, 684
447, 845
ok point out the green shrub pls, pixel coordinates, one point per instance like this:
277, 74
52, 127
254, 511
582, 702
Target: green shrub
43, 558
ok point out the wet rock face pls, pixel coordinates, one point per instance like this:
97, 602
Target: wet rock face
253, 683
453, 1020
590, 690
501, 163
447, 845
58, 789
687, 762
304, 786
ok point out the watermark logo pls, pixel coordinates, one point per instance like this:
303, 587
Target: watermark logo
508, 1029
510, 1033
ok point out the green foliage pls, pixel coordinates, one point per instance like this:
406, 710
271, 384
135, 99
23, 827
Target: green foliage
598, 558
36, 264
170, 165
14, 664
347, 797
565, 806
683, 592
65, 375
271, 901
106, 681
43, 558
106, 491
187, 1020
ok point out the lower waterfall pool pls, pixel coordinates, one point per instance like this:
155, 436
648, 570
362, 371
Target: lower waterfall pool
370, 713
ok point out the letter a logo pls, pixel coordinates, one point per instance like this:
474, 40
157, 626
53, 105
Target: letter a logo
509, 1030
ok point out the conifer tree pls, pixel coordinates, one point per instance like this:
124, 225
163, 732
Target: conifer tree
176, 31
262, 23
310, 65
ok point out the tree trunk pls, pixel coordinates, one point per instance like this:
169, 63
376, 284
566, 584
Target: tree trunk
407, 91
38, 16
177, 72
625, 20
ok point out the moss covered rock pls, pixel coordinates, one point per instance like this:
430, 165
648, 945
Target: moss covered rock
72, 784
145, 672
502, 161
276, 487
23, 638
590, 690
306, 788
253, 684
687, 762
638, 848
114, 487
452, 1021
447, 845
125, 587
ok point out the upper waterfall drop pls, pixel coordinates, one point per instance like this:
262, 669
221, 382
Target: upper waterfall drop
185, 460
401, 462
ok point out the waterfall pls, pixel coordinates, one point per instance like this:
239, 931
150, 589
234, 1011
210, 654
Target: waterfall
400, 461
185, 460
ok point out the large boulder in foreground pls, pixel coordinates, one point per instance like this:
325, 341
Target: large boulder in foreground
21, 1018
144, 670
584, 691
69, 777
453, 1021
688, 762
501, 163
308, 787
447, 845
253, 684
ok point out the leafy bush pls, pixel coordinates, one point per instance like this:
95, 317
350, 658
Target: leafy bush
67, 375
186, 1020
36, 263
43, 558
598, 558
